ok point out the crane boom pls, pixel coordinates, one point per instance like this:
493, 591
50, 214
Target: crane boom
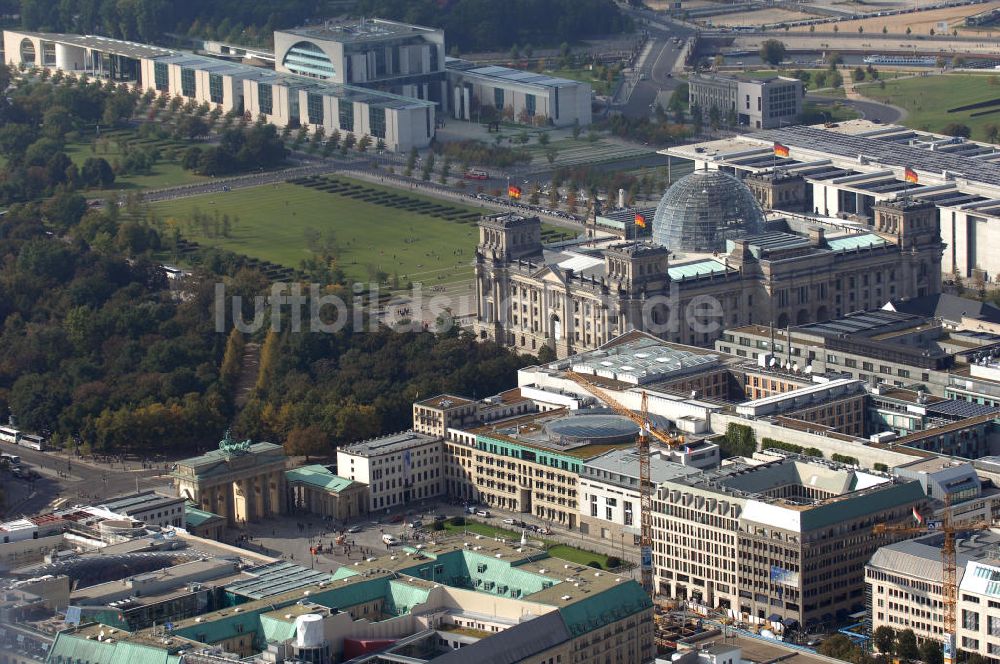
645, 477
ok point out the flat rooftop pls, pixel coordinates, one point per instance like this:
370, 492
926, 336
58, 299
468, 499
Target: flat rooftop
396, 442
640, 362
625, 463
363, 30
276, 578
139, 502
442, 401
756, 481
508, 74
105, 44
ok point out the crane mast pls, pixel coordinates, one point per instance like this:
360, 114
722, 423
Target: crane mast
645, 503
646, 430
949, 567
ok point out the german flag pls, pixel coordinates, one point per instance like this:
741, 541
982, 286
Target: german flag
513, 191
640, 220
910, 175
780, 150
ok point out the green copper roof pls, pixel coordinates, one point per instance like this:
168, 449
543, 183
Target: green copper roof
850, 242
320, 477
194, 517
343, 573
277, 630
698, 269
473, 570
606, 607
70, 649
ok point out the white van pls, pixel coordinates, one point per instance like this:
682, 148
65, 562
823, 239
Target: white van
390, 539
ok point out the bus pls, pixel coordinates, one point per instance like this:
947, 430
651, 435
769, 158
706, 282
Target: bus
476, 174
31, 441
9, 434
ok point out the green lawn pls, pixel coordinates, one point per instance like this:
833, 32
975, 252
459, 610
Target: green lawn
599, 86
563, 551
928, 98
167, 172
271, 223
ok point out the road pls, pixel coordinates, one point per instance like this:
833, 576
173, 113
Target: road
71, 481
869, 110
657, 69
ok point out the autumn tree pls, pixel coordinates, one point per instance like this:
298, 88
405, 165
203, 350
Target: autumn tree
307, 441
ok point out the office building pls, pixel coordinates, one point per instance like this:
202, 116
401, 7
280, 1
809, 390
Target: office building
847, 169
516, 95
878, 347
609, 492
373, 77
150, 508
757, 103
905, 587
714, 262
782, 542
407, 60
283, 98
398, 469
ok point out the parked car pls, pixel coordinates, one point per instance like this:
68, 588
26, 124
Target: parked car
416, 523
483, 513
356, 528
440, 517
544, 531
510, 522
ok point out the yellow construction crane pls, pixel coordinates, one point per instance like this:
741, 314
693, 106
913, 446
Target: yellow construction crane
645, 481
949, 564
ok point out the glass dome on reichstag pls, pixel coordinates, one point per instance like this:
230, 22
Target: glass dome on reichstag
703, 210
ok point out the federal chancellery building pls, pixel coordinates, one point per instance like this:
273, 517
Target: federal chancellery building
389, 80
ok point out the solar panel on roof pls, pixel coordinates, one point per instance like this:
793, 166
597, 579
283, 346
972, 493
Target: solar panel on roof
885, 151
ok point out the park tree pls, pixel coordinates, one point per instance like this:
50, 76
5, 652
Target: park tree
97, 172
957, 129
65, 209
772, 51
837, 646
906, 644
232, 360
307, 441
884, 639
739, 440
992, 132
269, 353
931, 652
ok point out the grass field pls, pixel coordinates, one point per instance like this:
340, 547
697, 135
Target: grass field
374, 228
928, 98
167, 172
599, 86
566, 552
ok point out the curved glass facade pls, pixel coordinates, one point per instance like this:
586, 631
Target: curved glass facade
308, 59
703, 210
